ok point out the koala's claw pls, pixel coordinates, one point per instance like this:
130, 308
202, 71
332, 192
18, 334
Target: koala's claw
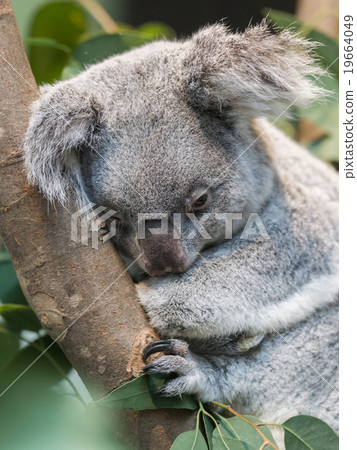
155, 347
168, 346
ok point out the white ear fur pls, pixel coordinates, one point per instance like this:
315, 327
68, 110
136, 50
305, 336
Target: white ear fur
64, 119
255, 73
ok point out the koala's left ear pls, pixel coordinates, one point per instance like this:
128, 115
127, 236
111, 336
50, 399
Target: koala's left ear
254, 73
65, 120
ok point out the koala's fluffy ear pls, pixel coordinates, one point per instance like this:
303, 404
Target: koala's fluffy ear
65, 120
254, 73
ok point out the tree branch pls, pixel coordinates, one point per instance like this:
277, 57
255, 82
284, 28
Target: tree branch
84, 298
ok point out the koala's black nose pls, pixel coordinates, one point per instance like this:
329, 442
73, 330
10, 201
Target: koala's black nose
162, 253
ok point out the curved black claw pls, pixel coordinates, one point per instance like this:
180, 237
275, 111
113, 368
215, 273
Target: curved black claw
156, 347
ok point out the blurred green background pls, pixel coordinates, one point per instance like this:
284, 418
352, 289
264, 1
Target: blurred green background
47, 406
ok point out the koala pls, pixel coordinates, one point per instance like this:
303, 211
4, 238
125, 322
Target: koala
181, 130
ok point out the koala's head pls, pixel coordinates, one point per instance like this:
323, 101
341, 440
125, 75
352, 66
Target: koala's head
164, 130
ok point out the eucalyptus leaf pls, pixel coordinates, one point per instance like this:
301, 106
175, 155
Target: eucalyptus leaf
238, 429
141, 394
4, 256
101, 47
49, 367
209, 427
325, 116
265, 430
62, 22
228, 443
10, 290
47, 42
157, 30
190, 440
19, 317
282, 19
72, 69
9, 346
309, 433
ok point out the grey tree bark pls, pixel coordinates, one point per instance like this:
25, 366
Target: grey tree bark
83, 297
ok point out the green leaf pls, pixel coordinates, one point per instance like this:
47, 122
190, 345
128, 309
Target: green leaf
208, 425
12, 307
19, 317
309, 433
282, 19
103, 46
100, 47
265, 430
72, 69
9, 346
157, 30
190, 440
228, 443
47, 42
10, 290
325, 116
237, 429
328, 51
62, 22
141, 394
19, 368
4, 256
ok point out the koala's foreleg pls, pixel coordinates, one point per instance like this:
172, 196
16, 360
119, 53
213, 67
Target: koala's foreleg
200, 375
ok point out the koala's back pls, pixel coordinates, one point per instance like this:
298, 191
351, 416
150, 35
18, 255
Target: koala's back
294, 162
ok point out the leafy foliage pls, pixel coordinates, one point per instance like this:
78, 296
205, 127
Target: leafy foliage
249, 433
140, 394
306, 432
190, 440
63, 41
40, 402
233, 433
59, 25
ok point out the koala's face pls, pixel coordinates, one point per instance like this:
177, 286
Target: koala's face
165, 167
161, 135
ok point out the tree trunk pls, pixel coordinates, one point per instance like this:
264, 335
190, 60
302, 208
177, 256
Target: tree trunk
83, 297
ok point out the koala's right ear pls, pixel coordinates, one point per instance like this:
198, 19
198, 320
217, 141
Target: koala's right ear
65, 120
255, 73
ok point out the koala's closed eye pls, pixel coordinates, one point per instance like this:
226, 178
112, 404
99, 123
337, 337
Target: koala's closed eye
199, 200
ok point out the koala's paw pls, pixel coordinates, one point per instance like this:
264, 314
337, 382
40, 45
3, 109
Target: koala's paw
174, 361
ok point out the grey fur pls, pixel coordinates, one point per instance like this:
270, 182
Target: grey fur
143, 131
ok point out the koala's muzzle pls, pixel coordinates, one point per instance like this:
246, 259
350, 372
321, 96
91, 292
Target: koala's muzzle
162, 253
